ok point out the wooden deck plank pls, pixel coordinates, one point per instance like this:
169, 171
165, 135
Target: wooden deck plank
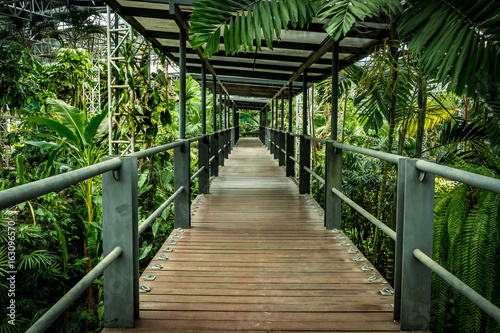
258, 259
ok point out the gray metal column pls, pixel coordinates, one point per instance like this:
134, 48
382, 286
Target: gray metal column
221, 128
290, 151
271, 137
214, 145
290, 140
398, 260
304, 103
418, 229
305, 145
333, 179
182, 84
214, 105
290, 107
203, 162
227, 141
120, 228
221, 110
235, 125
281, 135
214, 148
182, 205
335, 90
203, 98
304, 160
282, 149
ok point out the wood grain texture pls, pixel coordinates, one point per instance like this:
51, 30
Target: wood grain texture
258, 259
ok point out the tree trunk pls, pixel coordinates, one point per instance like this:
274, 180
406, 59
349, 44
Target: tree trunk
393, 85
422, 110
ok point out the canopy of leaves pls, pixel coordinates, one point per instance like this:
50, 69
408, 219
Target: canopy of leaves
244, 22
459, 41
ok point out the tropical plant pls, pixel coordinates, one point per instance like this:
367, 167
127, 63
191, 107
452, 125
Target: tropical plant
459, 42
84, 139
243, 22
467, 243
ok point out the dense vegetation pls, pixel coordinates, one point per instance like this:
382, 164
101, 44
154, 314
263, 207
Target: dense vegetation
410, 98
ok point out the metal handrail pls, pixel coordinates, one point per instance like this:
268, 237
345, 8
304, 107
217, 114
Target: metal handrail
485, 305
144, 225
469, 178
13, 196
293, 159
196, 174
310, 138
57, 309
379, 224
156, 150
197, 138
315, 175
369, 152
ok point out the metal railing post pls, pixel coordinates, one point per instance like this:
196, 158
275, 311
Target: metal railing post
227, 143
398, 256
214, 148
277, 146
418, 229
271, 141
237, 134
267, 138
282, 155
290, 152
304, 160
333, 179
221, 142
182, 207
203, 162
120, 228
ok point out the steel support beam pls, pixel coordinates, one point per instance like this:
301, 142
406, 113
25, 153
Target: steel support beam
182, 84
333, 179
203, 99
214, 154
418, 228
304, 161
203, 162
182, 207
335, 90
120, 228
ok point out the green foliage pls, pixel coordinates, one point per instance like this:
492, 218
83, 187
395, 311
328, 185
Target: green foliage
19, 88
458, 41
467, 243
242, 22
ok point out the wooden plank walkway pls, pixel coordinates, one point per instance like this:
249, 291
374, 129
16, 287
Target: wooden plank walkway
258, 259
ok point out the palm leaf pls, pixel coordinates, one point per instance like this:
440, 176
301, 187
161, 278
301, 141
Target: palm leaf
244, 21
458, 39
462, 131
62, 130
70, 117
341, 15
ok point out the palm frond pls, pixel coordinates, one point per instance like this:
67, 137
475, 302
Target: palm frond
458, 39
243, 22
462, 131
341, 15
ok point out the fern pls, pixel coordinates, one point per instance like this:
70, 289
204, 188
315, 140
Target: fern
466, 242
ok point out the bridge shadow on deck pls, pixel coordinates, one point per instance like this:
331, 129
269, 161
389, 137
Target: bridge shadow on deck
258, 259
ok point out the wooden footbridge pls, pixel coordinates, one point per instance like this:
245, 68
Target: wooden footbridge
254, 253
258, 258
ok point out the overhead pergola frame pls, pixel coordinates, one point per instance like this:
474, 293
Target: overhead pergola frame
260, 75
